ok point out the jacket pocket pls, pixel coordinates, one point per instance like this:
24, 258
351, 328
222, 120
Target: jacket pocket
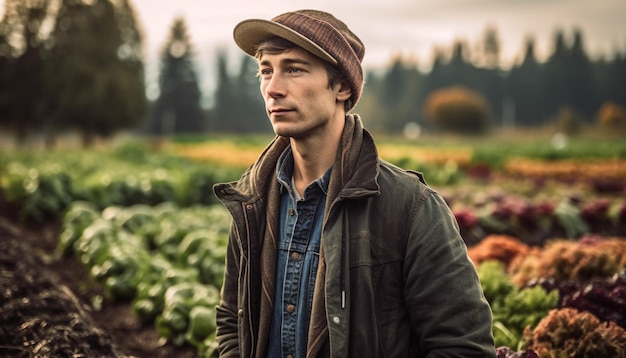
366, 250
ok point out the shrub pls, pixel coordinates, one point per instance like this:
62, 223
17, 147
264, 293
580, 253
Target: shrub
612, 118
458, 109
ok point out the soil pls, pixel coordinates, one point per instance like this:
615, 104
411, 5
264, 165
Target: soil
49, 307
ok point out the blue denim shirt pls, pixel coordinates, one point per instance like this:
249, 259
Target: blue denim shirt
297, 260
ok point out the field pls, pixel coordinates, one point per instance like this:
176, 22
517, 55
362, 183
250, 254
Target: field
118, 250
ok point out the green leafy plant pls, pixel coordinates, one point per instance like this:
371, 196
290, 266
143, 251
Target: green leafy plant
514, 309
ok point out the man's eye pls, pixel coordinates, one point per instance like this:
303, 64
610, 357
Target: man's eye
265, 72
295, 70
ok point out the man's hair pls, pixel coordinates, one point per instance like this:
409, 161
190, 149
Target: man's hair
275, 45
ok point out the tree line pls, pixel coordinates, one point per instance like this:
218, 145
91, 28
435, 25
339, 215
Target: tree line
76, 65
530, 93
70, 65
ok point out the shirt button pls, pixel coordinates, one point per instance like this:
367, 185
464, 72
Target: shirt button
291, 308
291, 212
336, 319
240, 313
294, 255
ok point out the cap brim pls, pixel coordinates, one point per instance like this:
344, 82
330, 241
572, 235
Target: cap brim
249, 34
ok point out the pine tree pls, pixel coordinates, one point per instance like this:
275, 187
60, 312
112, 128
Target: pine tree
239, 105
399, 96
556, 76
95, 75
249, 102
21, 66
525, 87
490, 49
568, 77
178, 107
583, 90
617, 81
224, 93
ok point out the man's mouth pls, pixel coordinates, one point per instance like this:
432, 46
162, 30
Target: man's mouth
278, 110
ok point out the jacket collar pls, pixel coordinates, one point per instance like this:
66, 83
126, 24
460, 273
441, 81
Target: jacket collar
354, 173
357, 161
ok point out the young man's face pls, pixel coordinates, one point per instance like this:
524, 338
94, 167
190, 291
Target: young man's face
298, 99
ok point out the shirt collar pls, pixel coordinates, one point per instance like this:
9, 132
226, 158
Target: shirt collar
284, 172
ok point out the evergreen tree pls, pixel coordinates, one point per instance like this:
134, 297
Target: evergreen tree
95, 73
525, 88
616, 85
250, 104
456, 71
556, 76
486, 77
399, 96
582, 94
239, 104
178, 108
459, 68
490, 49
224, 93
21, 66
368, 105
5, 77
568, 78
437, 77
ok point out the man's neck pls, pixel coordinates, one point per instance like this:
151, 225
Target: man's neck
313, 156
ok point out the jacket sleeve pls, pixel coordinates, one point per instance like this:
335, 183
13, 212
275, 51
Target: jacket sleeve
448, 310
226, 312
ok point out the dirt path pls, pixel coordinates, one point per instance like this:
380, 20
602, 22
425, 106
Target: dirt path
48, 305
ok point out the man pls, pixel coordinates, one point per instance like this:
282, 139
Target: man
334, 252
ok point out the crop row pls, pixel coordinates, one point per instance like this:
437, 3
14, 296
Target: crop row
534, 214
602, 175
166, 261
146, 228
43, 185
565, 299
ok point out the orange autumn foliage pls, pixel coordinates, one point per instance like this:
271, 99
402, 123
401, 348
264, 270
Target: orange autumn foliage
503, 248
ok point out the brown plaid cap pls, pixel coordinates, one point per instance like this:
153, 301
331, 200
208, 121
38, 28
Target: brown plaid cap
315, 31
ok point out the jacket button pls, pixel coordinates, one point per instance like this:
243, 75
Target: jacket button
249, 206
291, 308
294, 255
240, 313
336, 320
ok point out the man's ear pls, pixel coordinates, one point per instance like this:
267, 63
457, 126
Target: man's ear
344, 92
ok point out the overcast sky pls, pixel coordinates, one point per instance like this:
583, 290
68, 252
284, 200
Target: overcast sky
391, 27
411, 27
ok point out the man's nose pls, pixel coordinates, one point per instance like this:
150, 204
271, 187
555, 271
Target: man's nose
275, 86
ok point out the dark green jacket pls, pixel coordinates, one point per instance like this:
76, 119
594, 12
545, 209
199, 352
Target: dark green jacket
394, 279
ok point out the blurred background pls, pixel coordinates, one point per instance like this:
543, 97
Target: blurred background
118, 117
97, 68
